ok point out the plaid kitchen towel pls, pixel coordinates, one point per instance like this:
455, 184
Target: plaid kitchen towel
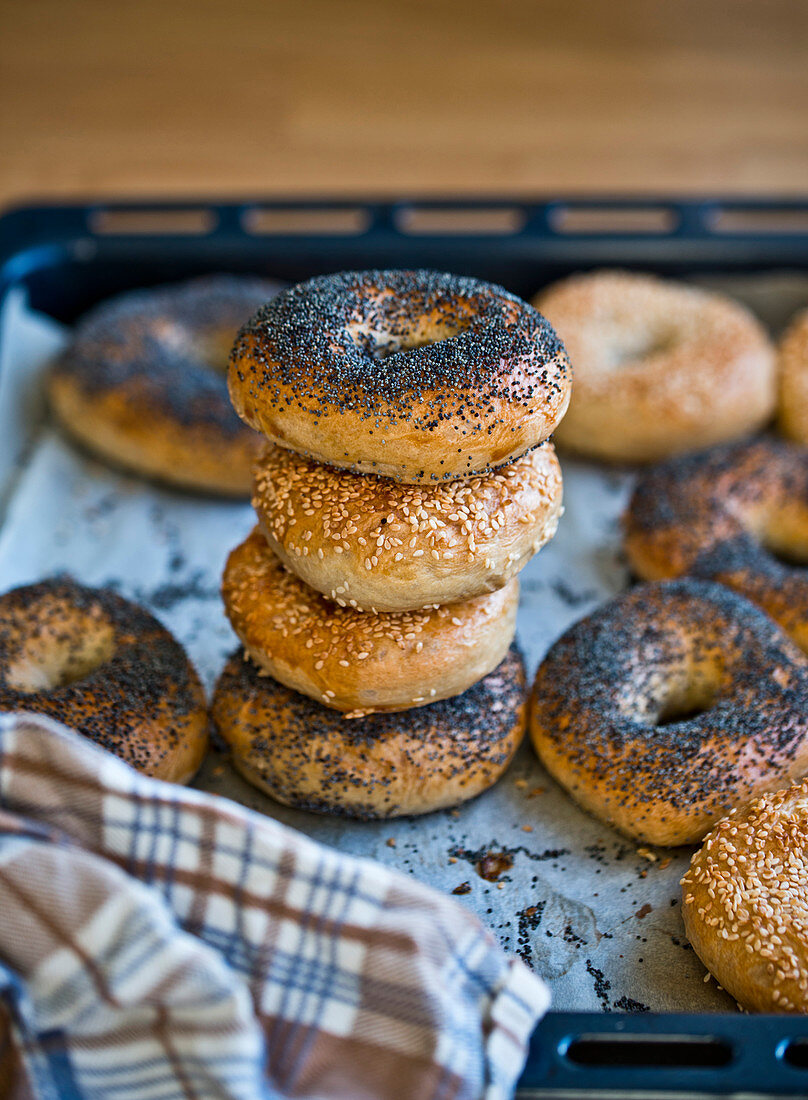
158, 943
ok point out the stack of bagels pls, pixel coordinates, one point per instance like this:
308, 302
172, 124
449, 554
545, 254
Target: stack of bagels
406, 479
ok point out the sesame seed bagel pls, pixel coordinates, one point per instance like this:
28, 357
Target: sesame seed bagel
660, 368
377, 545
793, 366
356, 661
143, 383
106, 668
386, 765
745, 903
668, 706
738, 515
411, 375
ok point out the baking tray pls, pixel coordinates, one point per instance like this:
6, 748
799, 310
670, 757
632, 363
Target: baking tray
67, 257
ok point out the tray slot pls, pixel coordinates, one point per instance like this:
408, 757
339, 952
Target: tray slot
645, 1055
606, 220
338, 221
153, 221
755, 221
438, 221
649, 1051
795, 1052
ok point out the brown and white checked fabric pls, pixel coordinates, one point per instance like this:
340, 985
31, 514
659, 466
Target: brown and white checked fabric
157, 943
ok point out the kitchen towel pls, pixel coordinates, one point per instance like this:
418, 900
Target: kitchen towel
157, 942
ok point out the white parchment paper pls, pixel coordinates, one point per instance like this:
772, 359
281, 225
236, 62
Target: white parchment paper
597, 918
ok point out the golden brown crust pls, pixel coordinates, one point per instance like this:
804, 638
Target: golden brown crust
660, 368
358, 661
737, 515
106, 668
142, 383
385, 765
745, 903
793, 368
411, 375
668, 706
376, 545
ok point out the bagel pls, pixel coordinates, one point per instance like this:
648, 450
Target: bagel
356, 661
738, 515
411, 375
670, 705
660, 368
376, 545
387, 765
108, 669
745, 905
793, 368
143, 384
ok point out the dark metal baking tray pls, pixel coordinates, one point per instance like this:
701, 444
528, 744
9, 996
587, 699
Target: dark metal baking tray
70, 256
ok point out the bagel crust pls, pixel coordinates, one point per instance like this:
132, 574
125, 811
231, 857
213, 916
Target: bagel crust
670, 705
108, 669
793, 368
745, 903
411, 375
143, 383
661, 368
386, 765
737, 515
357, 661
376, 545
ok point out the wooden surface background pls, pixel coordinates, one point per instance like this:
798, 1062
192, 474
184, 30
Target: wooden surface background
309, 96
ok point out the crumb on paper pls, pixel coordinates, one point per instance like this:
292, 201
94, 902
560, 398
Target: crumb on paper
491, 865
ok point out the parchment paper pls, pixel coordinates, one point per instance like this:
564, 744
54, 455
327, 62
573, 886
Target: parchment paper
595, 916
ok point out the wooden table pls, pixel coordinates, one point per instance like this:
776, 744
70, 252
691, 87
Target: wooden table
169, 97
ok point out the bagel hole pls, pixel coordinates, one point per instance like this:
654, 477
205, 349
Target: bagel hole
213, 349
692, 701
631, 347
54, 661
381, 345
384, 351
790, 552
210, 349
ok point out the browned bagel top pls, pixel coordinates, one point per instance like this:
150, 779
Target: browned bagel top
97, 662
608, 691
731, 492
738, 515
415, 347
745, 905
166, 347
